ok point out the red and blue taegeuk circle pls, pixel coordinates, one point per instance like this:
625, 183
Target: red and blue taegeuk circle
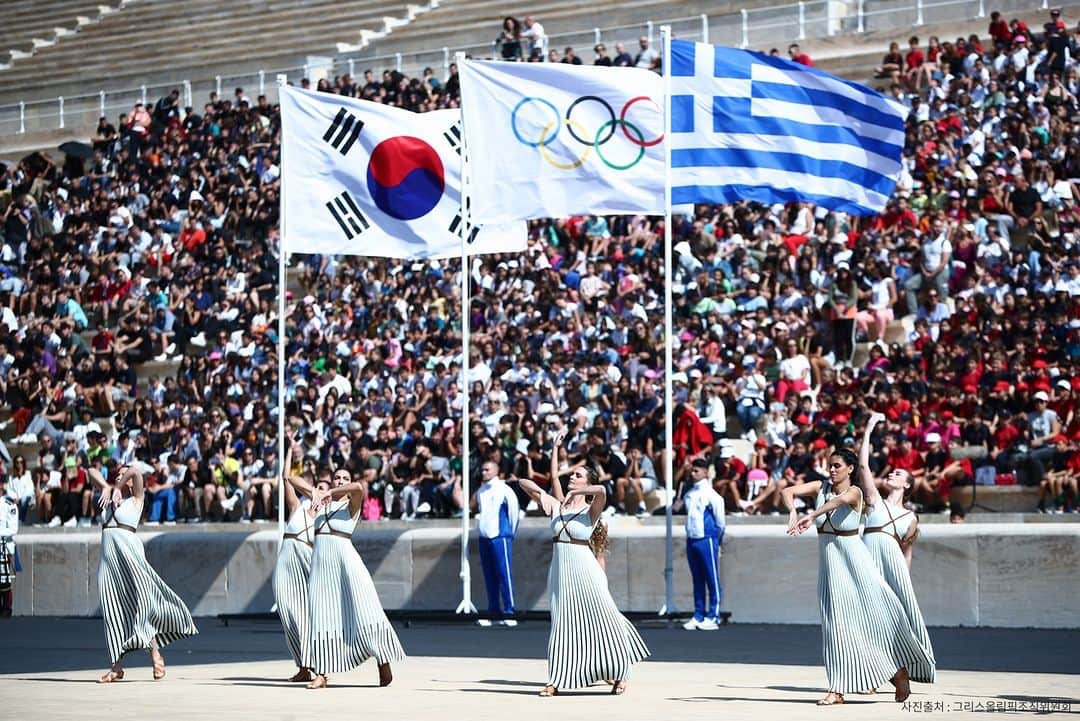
405, 177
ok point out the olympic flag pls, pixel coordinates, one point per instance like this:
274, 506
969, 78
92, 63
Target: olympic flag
362, 178
550, 140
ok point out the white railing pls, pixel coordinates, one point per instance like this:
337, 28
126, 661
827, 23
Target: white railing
763, 28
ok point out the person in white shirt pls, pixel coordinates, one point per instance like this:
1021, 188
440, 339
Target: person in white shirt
497, 512
704, 534
934, 269
875, 319
9, 558
20, 487
534, 35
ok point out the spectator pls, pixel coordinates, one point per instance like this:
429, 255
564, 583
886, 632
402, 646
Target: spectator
601, 56
533, 34
508, 41
796, 54
622, 58
647, 57
891, 65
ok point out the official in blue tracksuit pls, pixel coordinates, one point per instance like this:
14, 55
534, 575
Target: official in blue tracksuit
496, 507
704, 533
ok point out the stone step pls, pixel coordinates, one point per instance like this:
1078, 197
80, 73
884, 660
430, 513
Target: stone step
996, 499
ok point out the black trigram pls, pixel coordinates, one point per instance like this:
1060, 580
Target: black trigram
347, 215
456, 223
453, 136
344, 131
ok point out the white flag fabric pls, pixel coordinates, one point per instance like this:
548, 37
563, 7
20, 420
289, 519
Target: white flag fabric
362, 178
551, 140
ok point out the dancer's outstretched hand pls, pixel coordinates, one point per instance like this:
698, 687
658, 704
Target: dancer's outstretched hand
106, 499
801, 526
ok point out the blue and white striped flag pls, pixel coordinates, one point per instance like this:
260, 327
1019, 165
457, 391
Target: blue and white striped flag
748, 126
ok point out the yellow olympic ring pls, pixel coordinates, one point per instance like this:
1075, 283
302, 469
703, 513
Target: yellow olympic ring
544, 152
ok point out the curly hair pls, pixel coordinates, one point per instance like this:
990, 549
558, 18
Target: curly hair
598, 541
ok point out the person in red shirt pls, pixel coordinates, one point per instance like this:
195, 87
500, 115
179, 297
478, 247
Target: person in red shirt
1019, 28
730, 481
799, 56
999, 30
905, 458
191, 236
690, 436
898, 214
899, 407
913, 62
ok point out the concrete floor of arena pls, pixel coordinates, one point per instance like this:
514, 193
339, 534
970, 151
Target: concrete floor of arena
48, 668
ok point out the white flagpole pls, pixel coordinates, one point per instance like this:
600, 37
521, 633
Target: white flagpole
465, 227
669, 397
282, 81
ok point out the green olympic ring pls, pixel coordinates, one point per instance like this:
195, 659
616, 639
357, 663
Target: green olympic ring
627, 125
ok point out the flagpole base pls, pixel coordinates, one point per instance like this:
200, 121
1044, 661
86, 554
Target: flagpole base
466, 607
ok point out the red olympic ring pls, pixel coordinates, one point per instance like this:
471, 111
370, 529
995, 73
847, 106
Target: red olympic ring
625, 129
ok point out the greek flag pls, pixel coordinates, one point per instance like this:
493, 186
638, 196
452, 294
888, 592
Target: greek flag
748, 126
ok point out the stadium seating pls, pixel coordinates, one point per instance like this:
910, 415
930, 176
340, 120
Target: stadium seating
26, 25
195, 39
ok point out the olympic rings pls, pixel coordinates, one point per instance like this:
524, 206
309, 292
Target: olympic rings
562, 166
604, 133
626, 125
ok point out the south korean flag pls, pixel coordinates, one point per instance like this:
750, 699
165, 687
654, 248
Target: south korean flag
362, 178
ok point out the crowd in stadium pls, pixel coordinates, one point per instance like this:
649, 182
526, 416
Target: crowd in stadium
139, 288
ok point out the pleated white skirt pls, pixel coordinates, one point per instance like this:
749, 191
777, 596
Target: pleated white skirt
137, 606
346, 623
890, 562
866, 636
290, 584
590, 640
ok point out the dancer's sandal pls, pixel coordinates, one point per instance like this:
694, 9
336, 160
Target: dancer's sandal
385, 675
831, 700
867, 692
903, 685
111, 676
159, 666
549, 691
301, 676
618, 688
319, 681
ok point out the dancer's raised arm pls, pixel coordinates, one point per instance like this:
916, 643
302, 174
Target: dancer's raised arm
547, 502
599, 499
556, 486
866, 477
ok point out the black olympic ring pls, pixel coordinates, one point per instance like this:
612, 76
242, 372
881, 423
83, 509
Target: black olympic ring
611, 113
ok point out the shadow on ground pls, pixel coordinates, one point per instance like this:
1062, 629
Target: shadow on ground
56, 645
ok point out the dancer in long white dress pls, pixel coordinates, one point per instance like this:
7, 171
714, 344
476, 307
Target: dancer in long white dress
346, 624
866, 637
293, 567
890, 532
140, 611
590, 640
